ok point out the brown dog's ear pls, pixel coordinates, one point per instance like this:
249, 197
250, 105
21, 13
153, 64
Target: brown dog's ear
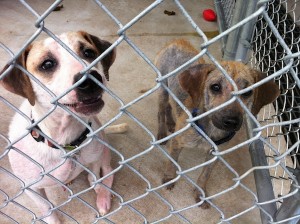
192, 79
101, 46
264, 94
16, 81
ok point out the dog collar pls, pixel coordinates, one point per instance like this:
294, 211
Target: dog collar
73, 145
227, 138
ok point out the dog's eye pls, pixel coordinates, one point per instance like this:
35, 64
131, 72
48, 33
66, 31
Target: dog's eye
216, 88
247, 94
48, 64
89, 53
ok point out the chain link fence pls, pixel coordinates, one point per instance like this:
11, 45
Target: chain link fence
274, 146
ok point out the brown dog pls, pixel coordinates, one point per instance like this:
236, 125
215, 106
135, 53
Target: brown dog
201, 88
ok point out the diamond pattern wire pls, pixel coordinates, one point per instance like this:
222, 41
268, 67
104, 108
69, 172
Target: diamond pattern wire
277, 128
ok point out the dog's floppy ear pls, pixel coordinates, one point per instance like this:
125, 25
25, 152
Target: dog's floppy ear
192, 79
16, 81
264, 94
101, 46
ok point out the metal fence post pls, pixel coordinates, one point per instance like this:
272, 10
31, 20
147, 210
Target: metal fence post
238, 42
236, 48
290, 206
262, 177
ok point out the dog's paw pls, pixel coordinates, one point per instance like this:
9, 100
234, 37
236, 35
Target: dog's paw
169, 186
172, 129
103, 201
161, 135
52, 219
171, 126
205, 204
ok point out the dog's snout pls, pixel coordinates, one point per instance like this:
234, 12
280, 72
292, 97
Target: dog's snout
96, 75
88, 84
232, 122
85, 85
228, 121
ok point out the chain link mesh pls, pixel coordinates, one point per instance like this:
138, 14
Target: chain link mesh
275, 51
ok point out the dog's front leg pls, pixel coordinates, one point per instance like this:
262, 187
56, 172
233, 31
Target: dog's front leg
170, 172
170, 120
103, 195
38, 195
203, 179
161, 116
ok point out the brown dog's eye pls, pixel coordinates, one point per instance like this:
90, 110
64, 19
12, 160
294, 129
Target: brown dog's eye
89, 53
247, 94
48, 64
216, 88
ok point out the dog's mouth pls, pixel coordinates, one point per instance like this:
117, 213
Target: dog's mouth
83, 102
87, 106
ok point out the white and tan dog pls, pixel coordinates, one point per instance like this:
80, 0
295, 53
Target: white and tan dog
37, 158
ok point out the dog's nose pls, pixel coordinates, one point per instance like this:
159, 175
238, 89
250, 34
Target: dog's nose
88, 83
232, 123
96, 75
85, 85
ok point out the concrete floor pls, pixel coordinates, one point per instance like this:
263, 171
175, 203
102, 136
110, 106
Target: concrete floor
130, 75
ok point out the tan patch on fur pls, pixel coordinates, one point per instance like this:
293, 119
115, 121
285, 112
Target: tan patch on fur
180, 44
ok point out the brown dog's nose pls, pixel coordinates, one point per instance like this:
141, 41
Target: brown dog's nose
232, 122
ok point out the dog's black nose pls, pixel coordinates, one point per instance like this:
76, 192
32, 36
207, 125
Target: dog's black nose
96, 75
232, 123
85, 85
88, 84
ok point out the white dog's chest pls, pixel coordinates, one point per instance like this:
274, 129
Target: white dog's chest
48, 164
34, 161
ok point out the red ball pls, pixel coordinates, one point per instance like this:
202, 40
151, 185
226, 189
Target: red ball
209, 15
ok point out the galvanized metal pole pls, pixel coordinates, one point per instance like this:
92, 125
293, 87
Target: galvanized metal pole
221, 22
290, 206
233, 38
237, 48
264, 187
238, 41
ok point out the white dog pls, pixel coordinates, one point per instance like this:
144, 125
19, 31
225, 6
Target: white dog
59, 133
